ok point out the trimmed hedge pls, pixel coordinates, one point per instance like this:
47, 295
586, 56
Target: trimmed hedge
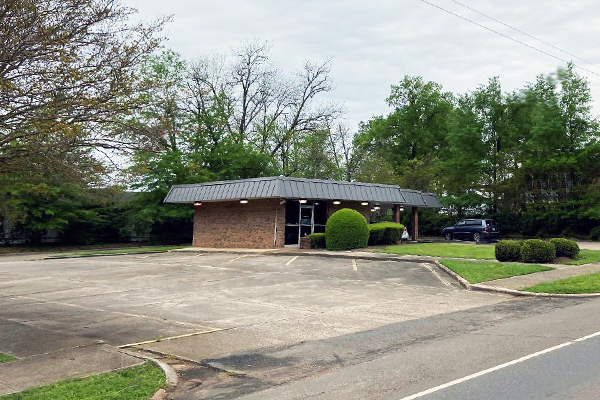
317, 240
508, 250
346, 229
595, 233
565, 247
385, 233
537, 251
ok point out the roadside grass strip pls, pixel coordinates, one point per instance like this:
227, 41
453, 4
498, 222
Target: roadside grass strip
477, 271
6, 358
585, 257
582, 284
134, 383
141, 250
478, 252
473, 251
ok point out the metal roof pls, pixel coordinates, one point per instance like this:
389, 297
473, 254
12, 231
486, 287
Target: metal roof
295, 188
431, 200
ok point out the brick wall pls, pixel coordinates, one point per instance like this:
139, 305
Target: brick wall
355, 205
234, 225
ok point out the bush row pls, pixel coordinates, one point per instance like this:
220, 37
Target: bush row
385, 233
347, 229
535, 250
317, 240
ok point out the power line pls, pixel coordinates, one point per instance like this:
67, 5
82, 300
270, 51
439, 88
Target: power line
525, 33
508, 37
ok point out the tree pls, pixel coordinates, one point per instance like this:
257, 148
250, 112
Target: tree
67, 72
412, 136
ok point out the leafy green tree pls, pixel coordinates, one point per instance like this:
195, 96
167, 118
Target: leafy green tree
411, 137
67, 71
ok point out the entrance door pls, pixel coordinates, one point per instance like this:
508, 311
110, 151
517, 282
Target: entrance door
304, 219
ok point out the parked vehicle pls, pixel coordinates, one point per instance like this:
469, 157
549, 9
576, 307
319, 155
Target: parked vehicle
472, 229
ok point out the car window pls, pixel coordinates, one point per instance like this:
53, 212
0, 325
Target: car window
461, 223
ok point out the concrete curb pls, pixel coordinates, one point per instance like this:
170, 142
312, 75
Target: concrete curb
485, 288
312, 253
170, 374
381, 257
103, 255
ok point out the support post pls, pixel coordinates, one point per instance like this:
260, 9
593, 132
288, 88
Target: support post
414, 223
396, 213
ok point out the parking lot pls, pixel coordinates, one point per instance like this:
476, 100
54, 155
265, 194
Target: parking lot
212, 305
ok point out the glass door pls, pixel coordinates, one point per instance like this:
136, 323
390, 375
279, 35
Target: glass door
304, 219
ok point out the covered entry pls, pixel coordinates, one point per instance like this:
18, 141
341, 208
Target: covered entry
304, 218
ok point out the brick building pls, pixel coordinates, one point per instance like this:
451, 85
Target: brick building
277, 211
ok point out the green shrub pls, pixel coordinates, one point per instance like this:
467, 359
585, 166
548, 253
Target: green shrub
317, 240
508, 250
385, 233
537, 251
595, 233
346, 229
376, 235
565, 247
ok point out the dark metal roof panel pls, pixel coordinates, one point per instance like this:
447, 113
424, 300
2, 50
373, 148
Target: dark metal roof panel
431, 200
285, 187
413, 198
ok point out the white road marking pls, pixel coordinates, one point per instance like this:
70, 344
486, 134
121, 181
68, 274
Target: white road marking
291, 261
496, 368
237, 258
354, 265
434, 272
147, 317
170, 338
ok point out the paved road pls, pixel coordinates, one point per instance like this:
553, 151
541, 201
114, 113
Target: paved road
568, 371
408, 358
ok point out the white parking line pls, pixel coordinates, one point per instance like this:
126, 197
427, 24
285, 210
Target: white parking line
354, 265
434, 272
496, 368
291, 261
170, 338
237, 258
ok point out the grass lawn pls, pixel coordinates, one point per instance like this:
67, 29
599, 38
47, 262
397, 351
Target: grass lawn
478, 252
578, 284
4, 358
477, 271
585, 257
137, 250
135, 383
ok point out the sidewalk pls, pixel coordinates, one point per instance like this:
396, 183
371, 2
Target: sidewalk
561, 272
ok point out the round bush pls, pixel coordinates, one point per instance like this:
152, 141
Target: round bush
565, 247
595, 233
346, 229
537, 251
508, 250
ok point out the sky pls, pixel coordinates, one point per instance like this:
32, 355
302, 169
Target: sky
374, 44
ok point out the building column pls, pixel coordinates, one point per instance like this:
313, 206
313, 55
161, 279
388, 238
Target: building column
414, 224
396, 213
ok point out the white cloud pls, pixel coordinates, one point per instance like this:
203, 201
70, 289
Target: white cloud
375, 43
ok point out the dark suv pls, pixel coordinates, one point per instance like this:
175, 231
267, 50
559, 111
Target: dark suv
472, 229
